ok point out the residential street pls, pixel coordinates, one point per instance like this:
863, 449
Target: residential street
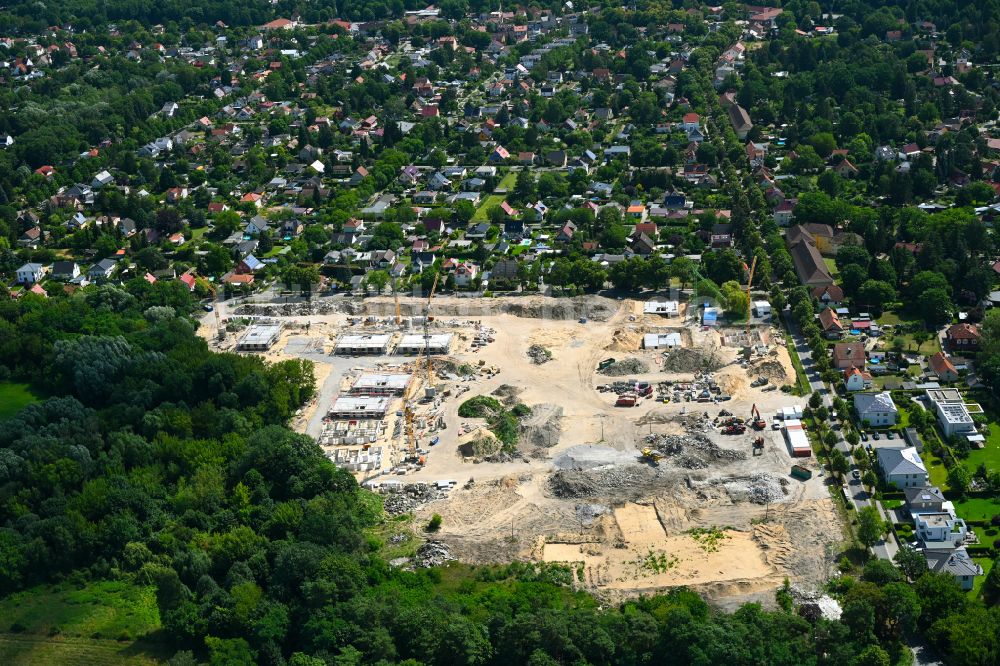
887, 548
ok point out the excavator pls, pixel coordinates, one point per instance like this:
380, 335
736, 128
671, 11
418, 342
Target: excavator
758, 445
758, 422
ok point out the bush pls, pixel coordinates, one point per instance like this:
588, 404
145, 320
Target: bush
995, 520
481, 406
434, 524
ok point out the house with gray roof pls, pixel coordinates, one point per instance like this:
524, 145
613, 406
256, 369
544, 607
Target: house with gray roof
902, 467
957, 562
877, 409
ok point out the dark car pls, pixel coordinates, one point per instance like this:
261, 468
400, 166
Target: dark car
864, 437
875, 436
207, 308
856, 474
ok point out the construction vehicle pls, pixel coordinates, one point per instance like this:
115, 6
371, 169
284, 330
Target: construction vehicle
734, 429
758, 446
605, 363
760, 381
801, 473
651, 456
626, 400
758, 423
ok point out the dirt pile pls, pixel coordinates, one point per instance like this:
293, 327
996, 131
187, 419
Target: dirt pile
542, 428
539, 354
691, 450
404, 499
691, 359
481, 446
770, 368
507, 394
589, 307
617, 480
625, 339
432, 554
756, 488
629, 366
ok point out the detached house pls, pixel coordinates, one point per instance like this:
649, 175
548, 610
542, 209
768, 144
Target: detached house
30, 273
902, 467
877, 409
962, 336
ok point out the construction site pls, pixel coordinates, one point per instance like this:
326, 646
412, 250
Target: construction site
560, 430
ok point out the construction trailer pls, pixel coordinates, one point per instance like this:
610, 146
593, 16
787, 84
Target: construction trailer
797, 439
430, 344
363, 345
381, 384
259, 337
368, 407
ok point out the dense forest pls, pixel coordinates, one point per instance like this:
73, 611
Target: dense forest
156, 461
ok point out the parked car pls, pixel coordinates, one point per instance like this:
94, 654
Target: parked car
875, 436
889, 435
864, 437
856, 474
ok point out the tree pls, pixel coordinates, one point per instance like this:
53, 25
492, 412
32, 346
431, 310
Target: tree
935, 306
875, 294
959, 478
838, 461
873, 655
377, 280
736, 300
911, 562
815, 399
871, 527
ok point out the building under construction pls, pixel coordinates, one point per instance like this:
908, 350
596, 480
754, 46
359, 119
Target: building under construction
430, 344
363, 345
381, 384
368, 407
259, 337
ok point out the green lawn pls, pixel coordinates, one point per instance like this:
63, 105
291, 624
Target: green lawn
14, 397
977, 508
482, 213
100, 623
508, 181
936, 470
802, 382
977, 584
831, 265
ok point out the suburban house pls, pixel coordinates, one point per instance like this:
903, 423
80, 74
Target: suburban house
740, 120
942, 366
830, 324
957, 562
962, 336
952, 412
936, 529
30, 273
830, 295
856, 379
809, 264
902, 467
924, 499
101, 270
65, 270
848, 355
877, 409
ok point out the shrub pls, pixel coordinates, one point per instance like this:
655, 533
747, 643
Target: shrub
481, 406
434, 524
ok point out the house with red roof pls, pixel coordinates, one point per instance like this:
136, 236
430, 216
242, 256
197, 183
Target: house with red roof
942, 366
962, 336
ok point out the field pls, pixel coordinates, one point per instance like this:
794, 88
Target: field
108, 622
14, 397
482, 213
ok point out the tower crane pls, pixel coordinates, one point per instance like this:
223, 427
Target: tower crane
753, 267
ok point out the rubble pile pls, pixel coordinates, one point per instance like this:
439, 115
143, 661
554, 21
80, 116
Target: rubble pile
539, 354
588, 513
756, 488
629, 366
543, 427
316, 307
507, 394
692, 450
612, 479
404, 499
691, 359
432, 554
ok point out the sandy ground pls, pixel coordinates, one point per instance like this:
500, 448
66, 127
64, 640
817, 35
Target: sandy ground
508, 510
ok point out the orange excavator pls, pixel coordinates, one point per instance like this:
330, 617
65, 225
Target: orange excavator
758, 423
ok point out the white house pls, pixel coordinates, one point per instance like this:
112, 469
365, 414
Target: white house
902, 467
30, 273
856, 379
935, 529
877, 409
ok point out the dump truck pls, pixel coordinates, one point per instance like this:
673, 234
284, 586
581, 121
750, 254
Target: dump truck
734, 429
801, 473
626, 400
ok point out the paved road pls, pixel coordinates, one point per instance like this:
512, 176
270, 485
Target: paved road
887, 548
